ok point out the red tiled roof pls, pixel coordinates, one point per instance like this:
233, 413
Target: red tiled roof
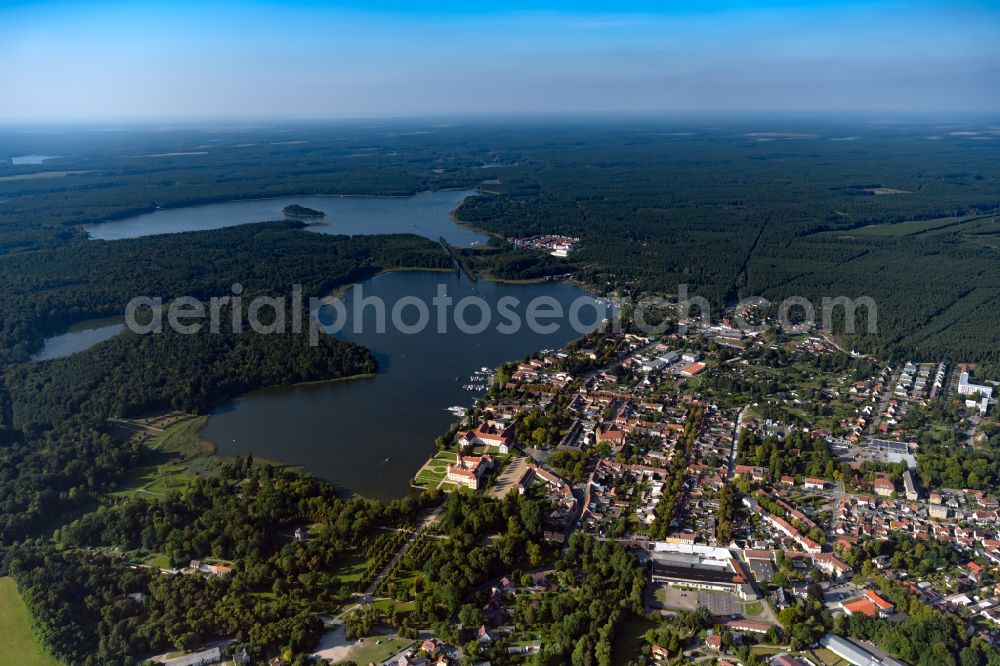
746, 625
873, 596
863, 606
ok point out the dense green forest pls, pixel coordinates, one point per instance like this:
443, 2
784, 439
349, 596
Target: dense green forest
798, 453
134, 374
734, 217
80, 598
53, 414
771, 207
43, 291
91, 608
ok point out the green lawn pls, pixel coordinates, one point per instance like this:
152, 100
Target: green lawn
753, 609
369, 652
17, 645
824, 656
765, 652
389, 604
170, 464
157, 560
182, 438
353, 567
434, 470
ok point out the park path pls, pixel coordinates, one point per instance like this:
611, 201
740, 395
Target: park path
428, 520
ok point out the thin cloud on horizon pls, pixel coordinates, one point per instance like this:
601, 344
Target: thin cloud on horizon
91, 60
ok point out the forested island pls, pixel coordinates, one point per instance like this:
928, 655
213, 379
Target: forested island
297, 211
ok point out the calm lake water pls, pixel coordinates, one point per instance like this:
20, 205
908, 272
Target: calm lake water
31, 159
427, 214
79, 336
370, 436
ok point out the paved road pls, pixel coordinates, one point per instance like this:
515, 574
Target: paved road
839, 348
887, 394
740, 420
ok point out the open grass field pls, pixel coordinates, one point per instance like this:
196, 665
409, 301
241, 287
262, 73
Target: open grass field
981, 225
17, 645
353, 567
156, 560
175, 455
826, 657
984, 228
182, 438
369, 652
389, 604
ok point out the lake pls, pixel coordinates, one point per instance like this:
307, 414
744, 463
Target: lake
31, 159
81, 335
427, 214
371, 435
366, 435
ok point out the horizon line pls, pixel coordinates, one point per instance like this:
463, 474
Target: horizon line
831, 114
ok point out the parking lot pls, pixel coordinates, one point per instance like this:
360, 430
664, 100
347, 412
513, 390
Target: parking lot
835, 594
509, 477
721, 603
675, 598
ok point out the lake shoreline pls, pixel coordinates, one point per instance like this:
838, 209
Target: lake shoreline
472, 227
348, 435
212, 201
213, 450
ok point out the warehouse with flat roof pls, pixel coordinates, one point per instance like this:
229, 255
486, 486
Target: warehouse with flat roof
849, 650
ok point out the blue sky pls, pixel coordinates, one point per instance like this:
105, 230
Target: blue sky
89, 60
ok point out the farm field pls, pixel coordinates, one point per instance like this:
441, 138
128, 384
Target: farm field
17, 645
